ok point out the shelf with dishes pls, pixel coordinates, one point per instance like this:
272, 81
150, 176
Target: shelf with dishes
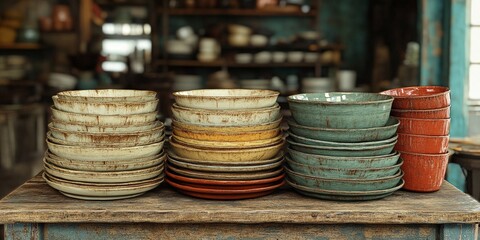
233, 64
238, 12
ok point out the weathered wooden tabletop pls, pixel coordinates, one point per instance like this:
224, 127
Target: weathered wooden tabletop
35, 201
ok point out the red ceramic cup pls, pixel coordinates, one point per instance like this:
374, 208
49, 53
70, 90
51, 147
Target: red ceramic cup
426, 113
421, 143
431, 127
419, 97
423, 172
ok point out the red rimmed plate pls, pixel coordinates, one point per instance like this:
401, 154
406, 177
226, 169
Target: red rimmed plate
223, 182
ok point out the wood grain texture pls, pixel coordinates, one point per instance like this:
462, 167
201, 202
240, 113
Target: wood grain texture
459, 231
19, 231
35, 201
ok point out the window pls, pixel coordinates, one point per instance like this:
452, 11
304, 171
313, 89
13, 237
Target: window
474, 68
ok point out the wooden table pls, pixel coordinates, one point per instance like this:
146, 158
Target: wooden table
36, 211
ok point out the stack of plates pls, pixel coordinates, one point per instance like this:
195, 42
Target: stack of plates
340, 146
226, 144
104, 144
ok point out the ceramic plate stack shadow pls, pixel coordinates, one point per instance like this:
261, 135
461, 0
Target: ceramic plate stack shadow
341, 146
104, 144
423, 134
226, 144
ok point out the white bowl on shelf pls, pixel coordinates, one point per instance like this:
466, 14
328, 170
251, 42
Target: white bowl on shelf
238, 40
258, 40
317, 84
262, 57
279, 57
243, 58
295, 56
311, 57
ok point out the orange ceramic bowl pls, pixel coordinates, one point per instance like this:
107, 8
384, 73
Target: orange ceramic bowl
423, 172
421, 143
426, 113
431, 127
420, 97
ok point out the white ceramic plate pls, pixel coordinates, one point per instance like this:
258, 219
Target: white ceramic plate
226, 117
103, 177
104, 153
109, 95
53, 139
103, 120
131, 139
105, 129
105, 166
104, 108
225, 99
93, 192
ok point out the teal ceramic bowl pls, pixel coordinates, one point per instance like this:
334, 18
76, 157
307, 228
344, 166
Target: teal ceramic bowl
343, 162
346, 135
315, 142
341, 110
360, 151
344, 195
344, 184
344, 173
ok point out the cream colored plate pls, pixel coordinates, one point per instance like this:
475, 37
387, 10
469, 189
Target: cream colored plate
227, 145
104, 153
227, 129
134, 138
103, 177
101, 191
105, 166
104, 108
226, 176
103, 120
60, 141
223, 168
95, 128
276, 158
100, 198
238, 155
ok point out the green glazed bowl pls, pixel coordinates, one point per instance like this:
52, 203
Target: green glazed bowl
343, 162
344, 195
340, 110
346, 135
344, 184
315, 142
360, 151
344, 173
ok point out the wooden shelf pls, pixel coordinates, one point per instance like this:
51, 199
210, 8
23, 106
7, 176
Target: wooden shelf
231, 64
21, 46
237, 12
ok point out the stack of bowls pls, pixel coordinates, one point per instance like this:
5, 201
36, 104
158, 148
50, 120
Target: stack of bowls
226, 144
104, 144
341, 146
423, 134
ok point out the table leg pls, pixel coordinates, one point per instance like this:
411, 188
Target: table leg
17, 231
459, 231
